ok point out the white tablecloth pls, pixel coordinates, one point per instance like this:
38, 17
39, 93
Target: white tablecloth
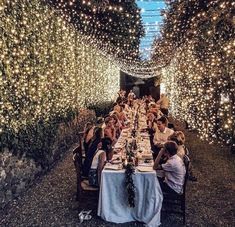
113, 199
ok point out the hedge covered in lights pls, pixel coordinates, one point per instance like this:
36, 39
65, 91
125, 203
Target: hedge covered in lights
197, 47
48, 71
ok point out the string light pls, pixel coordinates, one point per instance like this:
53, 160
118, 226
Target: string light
114, 27
46, 66
197, 48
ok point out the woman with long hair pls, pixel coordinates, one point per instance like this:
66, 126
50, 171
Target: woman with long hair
101, 156
95, 141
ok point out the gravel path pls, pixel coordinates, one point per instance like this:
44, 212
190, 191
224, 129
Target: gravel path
210, 201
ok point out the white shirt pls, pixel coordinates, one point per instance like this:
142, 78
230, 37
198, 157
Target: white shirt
162, 137
174, 173
95, 160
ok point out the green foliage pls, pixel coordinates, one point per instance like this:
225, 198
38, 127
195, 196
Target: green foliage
35, 140
46, 66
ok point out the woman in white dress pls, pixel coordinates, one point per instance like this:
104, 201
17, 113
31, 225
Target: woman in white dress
101, 156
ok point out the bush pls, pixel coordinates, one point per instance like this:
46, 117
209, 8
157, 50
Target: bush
44, 141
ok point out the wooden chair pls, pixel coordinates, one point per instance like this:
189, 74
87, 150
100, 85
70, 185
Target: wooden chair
80, 137
178, 199
82, 185
186, 151
77, 159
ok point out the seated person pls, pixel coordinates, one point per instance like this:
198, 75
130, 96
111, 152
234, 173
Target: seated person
87, 136
150, 121
116, 108
117, 125
94, 144
98, 162
131, 95
155, 109
174, 169
109, 130
161, 135
179, 138
121, 96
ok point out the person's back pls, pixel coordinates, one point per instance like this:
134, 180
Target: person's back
174, 169
87, 137
91, 150
95, 159
174, 173
98, 161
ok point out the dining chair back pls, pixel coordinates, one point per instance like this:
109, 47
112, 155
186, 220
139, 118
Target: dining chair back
82, 184
77, 159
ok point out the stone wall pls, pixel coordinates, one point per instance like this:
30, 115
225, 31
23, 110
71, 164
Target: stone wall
18, 174
15, 176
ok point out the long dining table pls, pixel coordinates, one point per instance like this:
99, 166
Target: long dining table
113, 197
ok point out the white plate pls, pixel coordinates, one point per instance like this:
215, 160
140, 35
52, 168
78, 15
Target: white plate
145, 168
117, 161
113, 167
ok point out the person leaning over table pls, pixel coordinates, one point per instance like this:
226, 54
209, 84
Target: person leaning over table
101, 156
161, 135
174, 169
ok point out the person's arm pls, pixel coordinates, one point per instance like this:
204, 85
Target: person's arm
101, 162
157, 160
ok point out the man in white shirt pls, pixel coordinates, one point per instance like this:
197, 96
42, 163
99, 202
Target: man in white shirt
161, 135
174, 169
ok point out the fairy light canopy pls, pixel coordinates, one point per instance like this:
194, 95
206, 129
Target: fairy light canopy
58, 55
116, 28
197, 48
